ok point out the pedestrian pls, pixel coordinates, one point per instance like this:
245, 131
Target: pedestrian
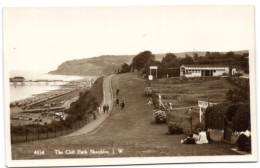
190, 110
114, 101
117, 91
122, 105
170, 105
104, 108
107, 107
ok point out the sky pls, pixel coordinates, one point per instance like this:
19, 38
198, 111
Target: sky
43, 38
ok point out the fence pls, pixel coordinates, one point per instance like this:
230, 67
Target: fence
38, 132
189, 123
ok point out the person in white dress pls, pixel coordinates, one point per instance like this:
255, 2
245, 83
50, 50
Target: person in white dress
202, 138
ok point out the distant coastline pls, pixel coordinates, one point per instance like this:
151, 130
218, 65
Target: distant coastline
20, 90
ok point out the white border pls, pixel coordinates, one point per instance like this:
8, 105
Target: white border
107, 161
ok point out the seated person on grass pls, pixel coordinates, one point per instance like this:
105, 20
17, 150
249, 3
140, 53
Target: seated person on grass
202, 137
196, 135
243, 142
189, 140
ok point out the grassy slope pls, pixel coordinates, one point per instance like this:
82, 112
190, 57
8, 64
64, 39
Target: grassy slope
130, 129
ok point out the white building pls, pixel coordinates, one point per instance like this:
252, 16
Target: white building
205, 70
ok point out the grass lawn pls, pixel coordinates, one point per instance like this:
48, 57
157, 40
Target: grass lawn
131, 129
209, 90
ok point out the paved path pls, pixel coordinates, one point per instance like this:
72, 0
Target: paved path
107, 99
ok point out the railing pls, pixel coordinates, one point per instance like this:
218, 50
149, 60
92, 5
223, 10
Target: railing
38, 132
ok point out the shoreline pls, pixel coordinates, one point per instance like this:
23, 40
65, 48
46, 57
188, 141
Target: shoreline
35, 107
59, 87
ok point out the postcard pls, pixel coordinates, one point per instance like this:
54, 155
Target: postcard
122, 85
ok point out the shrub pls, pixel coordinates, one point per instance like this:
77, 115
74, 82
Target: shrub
175, 128
148, 91
237, 74
159, 116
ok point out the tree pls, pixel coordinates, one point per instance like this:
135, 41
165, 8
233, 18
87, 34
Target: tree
195, 56
230, 55
140, 60
187, 60
240, 94
125, 68
170, 57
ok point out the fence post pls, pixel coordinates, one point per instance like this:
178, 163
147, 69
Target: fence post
191, 123
38, 131
34, 132
25, 132
47, 132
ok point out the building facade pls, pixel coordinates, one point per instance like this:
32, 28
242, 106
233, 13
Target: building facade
206, 70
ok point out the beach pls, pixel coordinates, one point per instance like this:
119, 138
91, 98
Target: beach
48, 103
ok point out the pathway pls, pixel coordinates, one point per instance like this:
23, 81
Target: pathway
107, 99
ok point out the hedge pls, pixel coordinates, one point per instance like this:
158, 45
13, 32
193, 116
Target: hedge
214, 116
242, 118
240, 113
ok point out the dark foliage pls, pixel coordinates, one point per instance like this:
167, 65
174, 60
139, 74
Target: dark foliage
214, 116
140, 60
239, 114
242, 118
239, 94
125, 68
175, 128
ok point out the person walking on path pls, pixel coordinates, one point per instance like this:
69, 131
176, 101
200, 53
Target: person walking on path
117, 101
104, 108
117, 91
107, 107
122, 105
114, 101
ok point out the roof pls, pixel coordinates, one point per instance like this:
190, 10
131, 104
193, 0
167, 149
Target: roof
205, 65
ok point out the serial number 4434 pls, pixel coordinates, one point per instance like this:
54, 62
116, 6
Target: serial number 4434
38, 152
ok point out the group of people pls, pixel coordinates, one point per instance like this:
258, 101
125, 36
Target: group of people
120, 102
198, 137
105, 108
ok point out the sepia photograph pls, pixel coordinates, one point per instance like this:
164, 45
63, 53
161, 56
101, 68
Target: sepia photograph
120, 85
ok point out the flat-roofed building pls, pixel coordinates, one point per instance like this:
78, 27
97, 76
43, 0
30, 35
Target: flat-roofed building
206, 70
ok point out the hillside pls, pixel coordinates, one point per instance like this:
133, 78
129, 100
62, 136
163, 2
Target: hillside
107, 64
101, 65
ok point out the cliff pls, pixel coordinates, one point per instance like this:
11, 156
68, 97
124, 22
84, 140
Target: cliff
101, 65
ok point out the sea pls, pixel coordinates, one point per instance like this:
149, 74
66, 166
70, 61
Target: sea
19, 91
